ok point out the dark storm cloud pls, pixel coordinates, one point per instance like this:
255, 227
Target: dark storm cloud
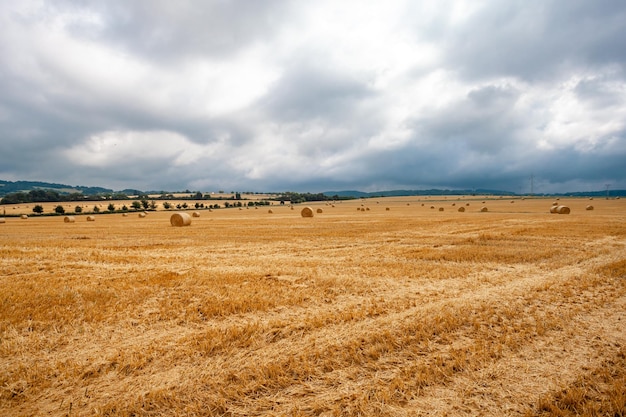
273, 95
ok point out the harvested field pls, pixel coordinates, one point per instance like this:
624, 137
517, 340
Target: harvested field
396, 311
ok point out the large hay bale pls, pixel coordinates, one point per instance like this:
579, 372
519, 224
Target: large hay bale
562, 210
440, 208
142, 215
589, 208
124, 214
2, 220
553, 209
24, 216
196, 214
484, 209
306, 212
69, 219
319, 210
91, 218
461, 209
180, 219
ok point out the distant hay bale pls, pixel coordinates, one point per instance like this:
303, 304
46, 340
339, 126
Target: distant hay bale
467, 204
142, 215
367, 208
270, 211
319, 210
512, 201
387, 208
124, 214
432, 207
440, 208
24, 216
91, 218
362, 209
306, 212
461, 209
555, 203
589, 208
553, 209
484, 209
453, 204
2, 220
69, 219
180, 219
590, 198
562, 210
196, 214
422, 204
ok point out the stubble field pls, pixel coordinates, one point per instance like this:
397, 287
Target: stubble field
398, 309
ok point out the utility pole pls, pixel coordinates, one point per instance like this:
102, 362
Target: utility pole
532, 184
607, 190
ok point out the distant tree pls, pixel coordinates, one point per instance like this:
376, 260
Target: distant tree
59, 209
185, 205
167, 205
96, 209
124, 208
237, 196
38, 209
198, 196
145, 204
197, 205
78, 209
136, 205
111, 207
153, 205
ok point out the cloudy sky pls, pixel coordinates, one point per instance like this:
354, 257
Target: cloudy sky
279, 95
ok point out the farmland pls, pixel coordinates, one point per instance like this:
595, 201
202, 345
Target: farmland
377, 307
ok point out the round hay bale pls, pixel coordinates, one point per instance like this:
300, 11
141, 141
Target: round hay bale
196, 214
362, 209
142, 215
2, 220
512, 201
306, 212
270, 211
319, 210
562, 210
440, 208
69, 219
180, 219
555, 203
453, 204
484, 209
367, 208
461, 209
387, 209
91, 218
432, 207
590, 198
467, 204
589, 208
24, 216
124, 214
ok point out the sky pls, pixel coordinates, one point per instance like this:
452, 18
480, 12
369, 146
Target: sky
313, 96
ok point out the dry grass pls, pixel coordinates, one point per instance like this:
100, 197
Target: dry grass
400, 312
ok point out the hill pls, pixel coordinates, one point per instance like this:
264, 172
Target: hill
7, 187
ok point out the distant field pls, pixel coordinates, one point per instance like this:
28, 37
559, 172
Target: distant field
377, 307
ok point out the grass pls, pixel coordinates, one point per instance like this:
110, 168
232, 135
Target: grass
407, 311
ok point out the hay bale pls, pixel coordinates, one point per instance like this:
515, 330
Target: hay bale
69, 219
387, 209
467, 204
2, 220
461, 209
484, 209
319, 210
196, 214
124, 214
440, 208
432, 207
91, 218
362, 209
306, 212
367, 208
553, 209
562, 210
142, 215
589, 208
24, 216
270, 211
555, 203
180, 219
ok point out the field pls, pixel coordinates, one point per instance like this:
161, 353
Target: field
378, 307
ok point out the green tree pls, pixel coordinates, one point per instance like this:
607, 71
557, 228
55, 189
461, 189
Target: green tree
38, 209
145, 204
78, 209
167, 205
96, 209
59, 209
111, 207
136, 205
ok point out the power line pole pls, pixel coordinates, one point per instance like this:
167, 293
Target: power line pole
607, 190
532, 184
